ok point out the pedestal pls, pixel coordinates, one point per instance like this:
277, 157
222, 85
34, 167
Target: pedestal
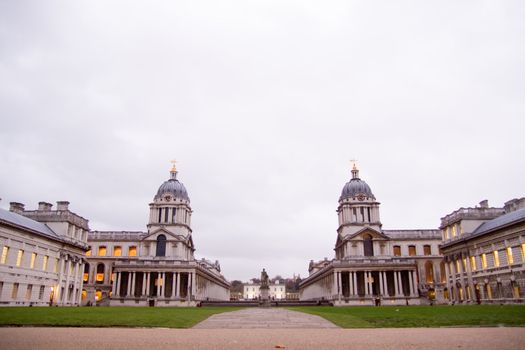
265, 296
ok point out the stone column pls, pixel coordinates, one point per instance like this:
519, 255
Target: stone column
188, 292
350, 283
381, 289
66, 289
355, 282
75, 287
133, 284
340, 285
335, 286
143, 292
81, 280
177, 295
411, 283
158, 284
148, 277
414, 283
162, 284
128, 292
396, 284
114, 287
385, 283
173, 285
194, 284
367, 283
119, 281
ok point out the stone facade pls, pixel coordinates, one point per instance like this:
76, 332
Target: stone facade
155, 267
372, 265
43, 255
484, 251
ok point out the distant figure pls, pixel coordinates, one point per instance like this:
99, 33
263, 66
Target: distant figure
264, 279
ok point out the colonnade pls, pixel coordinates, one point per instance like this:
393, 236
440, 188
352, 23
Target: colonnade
71, 269
357, 285
160, 292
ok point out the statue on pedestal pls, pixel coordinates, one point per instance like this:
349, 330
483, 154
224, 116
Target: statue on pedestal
264, 280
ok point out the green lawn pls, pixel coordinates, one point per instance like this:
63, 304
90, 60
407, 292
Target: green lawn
420, 316
172, 317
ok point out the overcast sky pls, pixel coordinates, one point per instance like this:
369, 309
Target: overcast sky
263, 104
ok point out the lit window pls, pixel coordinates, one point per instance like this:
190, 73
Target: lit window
102, 251
88, 253
98, 295
44, 263
484, 261
464, 264
41, 292
19, 257
5, 251
458, 268
489, 291
427, 250
86, 277
445, 233
496, 258
84, 294
412, 250
55, 266
100, 273
453, 229
510, 258
397, 250
132, 251
33, 258
117, 251
473, 263
523, 252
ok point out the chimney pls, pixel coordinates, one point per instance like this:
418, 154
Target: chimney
484, 204
62, 205
44, 206
16, 207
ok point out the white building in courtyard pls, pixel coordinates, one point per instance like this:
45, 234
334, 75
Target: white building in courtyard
252, 291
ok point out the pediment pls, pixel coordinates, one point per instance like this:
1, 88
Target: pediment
359, 235
170, 236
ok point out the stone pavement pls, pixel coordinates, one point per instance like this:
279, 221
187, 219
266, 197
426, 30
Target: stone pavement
23, 338
263, 318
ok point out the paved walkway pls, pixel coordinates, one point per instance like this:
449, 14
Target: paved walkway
259, 318
23, 338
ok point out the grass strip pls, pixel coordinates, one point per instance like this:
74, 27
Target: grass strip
169, 317
420, 316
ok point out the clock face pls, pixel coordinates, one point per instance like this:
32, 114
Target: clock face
167, 198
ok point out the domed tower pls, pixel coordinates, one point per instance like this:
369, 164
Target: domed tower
358, 207
170, 213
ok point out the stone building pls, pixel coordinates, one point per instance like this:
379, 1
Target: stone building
156, 267
372, 265
43, 255
277, 291
484, 251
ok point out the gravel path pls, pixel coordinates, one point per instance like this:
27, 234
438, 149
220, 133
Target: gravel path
253, 339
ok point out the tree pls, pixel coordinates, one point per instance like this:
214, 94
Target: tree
237, 287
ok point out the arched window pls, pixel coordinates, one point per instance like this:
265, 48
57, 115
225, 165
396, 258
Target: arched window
368, 245
429, 272
100, 273
161, 245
